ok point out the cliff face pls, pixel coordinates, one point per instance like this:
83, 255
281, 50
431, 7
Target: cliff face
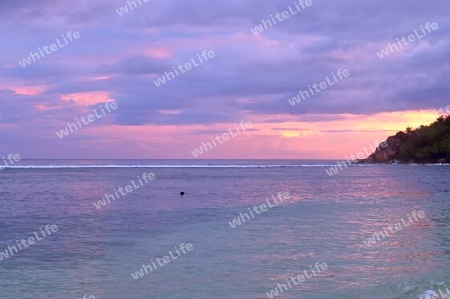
387, 151
426, 144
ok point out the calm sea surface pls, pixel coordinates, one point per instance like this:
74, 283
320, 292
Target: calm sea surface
326, 220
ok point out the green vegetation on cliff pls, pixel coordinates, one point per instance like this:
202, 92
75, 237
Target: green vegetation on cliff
426, 144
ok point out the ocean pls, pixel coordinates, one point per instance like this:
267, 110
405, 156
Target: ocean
368, 231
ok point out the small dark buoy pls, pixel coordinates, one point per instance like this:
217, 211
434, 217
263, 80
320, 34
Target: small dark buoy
181, 193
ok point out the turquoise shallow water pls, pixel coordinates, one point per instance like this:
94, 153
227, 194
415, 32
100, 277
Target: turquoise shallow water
326, 219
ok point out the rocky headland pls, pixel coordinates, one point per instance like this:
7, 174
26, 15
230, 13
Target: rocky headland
426, 144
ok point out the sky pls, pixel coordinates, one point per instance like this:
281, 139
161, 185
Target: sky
118, 56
